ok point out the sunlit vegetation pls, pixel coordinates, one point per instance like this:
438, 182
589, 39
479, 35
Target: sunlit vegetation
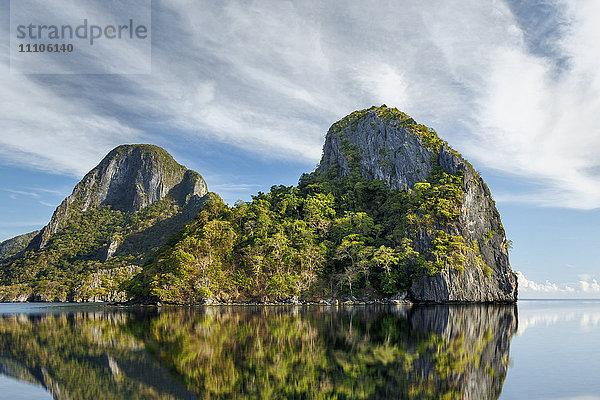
12, 247
335, 234
80, 248
329, 236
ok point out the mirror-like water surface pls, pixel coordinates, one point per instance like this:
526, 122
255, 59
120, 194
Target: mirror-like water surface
555, 354
428, 352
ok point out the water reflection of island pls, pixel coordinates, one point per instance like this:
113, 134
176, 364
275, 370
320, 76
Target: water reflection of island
264, 352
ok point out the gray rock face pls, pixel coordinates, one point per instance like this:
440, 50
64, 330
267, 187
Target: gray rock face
389, 149
129, 178
479, 223
389, 152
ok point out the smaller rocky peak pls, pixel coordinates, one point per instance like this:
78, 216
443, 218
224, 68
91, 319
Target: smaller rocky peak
132, 177
381, 143
129, 178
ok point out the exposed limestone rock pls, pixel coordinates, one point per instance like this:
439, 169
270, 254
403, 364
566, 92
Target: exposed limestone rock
389, 151
111, 248
388, 145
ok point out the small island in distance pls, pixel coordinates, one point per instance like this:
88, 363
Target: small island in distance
391, 213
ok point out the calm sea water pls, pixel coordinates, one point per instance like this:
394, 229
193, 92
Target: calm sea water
538, 350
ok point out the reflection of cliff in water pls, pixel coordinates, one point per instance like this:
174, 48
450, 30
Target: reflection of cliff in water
90, 355
472, 355
278, 352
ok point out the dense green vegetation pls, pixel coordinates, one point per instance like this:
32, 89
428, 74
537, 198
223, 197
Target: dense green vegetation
329, 236
80, 248
335, 234
263, 353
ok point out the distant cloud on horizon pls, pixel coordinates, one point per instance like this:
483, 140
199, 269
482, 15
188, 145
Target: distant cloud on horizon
588, 287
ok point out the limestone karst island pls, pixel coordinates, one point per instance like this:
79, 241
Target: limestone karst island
391, 212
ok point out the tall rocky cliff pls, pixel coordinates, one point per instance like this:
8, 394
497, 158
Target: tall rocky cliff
386, 144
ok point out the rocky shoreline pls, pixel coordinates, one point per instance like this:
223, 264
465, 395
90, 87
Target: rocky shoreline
400, 298
116, 300
294, 301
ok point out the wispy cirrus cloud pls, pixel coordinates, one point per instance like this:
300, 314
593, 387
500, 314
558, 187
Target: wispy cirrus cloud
43, 196
15, 193
270, 78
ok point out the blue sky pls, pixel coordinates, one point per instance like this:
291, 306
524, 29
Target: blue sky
244, 92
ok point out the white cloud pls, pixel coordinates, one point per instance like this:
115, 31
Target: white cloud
525, 285
271, 77
44, 196
588, 288
44, 130
14, 194
22, 223
585, 277
36, 193
543, 124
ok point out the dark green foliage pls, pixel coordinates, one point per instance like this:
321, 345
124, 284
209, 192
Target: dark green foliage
328, 236
337, 233
332, 235
79, 248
